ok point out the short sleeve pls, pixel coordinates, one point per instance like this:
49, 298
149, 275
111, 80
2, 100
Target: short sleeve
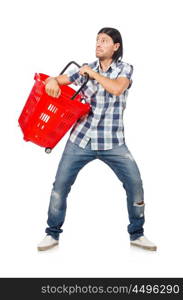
127, 71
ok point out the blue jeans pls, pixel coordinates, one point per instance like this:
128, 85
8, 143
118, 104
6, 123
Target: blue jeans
120, 160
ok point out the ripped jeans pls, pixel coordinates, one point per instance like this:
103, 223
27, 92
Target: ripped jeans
120, 160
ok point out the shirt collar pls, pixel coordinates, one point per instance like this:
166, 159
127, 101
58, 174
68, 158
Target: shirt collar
112, 66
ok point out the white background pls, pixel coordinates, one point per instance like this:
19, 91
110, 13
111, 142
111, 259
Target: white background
43, 36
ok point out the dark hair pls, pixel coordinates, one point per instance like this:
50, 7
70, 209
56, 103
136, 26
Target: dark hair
116, 37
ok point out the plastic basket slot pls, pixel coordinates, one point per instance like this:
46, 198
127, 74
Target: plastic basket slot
40, 126
52, 108
41, 115
44, 117
55, 109
47, 118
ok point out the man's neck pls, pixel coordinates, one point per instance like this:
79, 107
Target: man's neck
105, 63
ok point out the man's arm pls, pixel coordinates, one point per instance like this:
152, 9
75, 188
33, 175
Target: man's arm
114, 86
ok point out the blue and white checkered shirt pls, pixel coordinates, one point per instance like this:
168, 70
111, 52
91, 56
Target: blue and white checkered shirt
104, 123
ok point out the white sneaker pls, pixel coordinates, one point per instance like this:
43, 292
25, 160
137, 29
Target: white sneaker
144, 243
47, 243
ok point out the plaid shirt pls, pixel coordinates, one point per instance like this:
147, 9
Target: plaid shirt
104, 123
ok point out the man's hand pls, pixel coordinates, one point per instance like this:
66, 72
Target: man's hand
52, 87
87, 69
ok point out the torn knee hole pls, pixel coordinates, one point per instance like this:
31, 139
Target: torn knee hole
139, 203
139, 209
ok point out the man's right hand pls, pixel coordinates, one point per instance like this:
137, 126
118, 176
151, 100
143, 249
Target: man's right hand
52, 87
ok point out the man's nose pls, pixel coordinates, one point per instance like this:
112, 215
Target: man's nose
98, 43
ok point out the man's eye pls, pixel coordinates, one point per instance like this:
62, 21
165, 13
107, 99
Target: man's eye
102, 41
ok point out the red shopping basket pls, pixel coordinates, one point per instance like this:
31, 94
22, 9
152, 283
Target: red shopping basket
44, 119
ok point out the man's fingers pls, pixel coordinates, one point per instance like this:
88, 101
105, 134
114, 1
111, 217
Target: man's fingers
52, 92
59, 93
47, 91
55, 94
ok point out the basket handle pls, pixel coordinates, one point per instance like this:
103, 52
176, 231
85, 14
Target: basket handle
85, 74
71, 62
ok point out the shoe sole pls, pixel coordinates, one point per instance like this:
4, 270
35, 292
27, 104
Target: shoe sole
153, 248
46, 247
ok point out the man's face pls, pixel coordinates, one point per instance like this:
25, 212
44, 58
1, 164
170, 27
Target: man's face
105, 46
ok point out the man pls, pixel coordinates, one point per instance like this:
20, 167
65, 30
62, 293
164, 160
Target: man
98, 135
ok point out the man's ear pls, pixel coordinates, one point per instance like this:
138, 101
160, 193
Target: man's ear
116, 46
